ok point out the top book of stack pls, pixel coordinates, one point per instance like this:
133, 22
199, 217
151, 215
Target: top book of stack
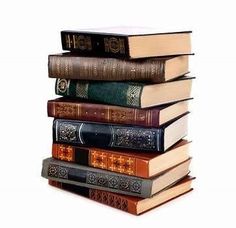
128, 43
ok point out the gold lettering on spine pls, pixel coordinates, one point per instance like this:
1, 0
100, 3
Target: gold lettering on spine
68, 41
82, 42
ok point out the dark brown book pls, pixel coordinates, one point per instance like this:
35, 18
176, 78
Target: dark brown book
97, 112
126, 42
132, 163
156, 70
130, 204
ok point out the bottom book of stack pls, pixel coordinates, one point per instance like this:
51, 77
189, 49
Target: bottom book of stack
130, 204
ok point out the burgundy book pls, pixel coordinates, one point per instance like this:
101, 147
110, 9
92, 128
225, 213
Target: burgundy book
97, 112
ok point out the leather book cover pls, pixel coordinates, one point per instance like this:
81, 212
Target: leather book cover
101, 135
134, 163
126, 94
108, 42
94, 44
118, 201
96, 178
71, 66
97, 112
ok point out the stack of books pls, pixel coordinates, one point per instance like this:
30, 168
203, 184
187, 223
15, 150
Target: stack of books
119, 125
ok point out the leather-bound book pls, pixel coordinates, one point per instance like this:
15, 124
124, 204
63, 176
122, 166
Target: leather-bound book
84, 176
128, 94
126, 42
101, 135
130, 204
155, 70
132, 163
90, 111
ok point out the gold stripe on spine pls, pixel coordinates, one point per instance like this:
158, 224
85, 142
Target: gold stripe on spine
68, 41
82, 90
53, 108
149, 117
74, 43
78, 110
135, 115
108, 113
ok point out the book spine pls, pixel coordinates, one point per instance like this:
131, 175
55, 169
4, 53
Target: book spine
94, 178
95, 44
110, 199
116, 93
105, 69
107, 136
104, 113
102, 159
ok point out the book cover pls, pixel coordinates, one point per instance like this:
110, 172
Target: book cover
130, 204
91, 111
101, 135
125, 42
134, 163
110, 181
127, 94
70, 66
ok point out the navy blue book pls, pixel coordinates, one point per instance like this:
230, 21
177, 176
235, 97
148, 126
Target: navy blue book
103, 135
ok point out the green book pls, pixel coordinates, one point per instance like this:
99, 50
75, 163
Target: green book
129, 94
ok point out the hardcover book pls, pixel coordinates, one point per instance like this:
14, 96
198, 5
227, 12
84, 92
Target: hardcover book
101, 135
129, 94
156, 70
90, 111
138, 164
130, 204
70, 173
126, 42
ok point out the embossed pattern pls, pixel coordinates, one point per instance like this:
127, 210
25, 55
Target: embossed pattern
135, 138
133, 95
62, 85
115, 182
114, 45
65, 153
82, 90
112, 162
67, 132
109, 199
64, 110
57, 171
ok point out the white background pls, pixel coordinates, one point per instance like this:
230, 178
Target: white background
30, 31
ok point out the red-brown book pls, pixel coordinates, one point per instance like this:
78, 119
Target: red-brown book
137, 163
87, 111
130, 204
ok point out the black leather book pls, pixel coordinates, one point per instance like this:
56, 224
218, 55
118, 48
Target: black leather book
90, 134
126, 42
